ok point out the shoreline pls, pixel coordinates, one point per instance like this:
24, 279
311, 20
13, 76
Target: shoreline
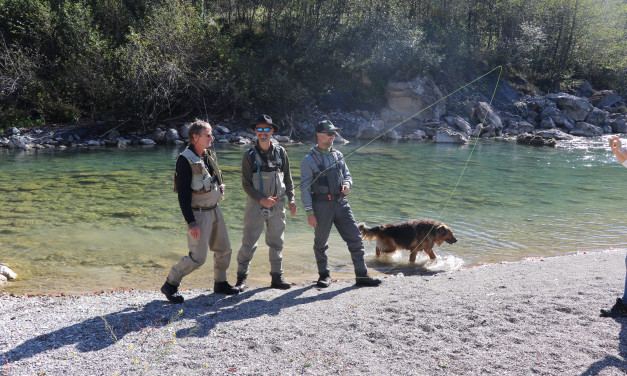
534, 316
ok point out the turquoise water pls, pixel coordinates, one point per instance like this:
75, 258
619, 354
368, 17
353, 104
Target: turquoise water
83, 221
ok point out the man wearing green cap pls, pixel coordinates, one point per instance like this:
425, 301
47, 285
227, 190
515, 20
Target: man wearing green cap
325, 183
267, 181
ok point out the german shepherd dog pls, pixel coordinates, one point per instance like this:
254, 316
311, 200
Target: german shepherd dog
414, 235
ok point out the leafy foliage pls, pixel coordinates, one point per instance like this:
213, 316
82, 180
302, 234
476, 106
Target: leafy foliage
164, 58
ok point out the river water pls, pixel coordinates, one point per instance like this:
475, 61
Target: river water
79, 221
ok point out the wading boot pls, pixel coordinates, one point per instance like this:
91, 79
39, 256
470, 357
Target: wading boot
278, 282
171, 292
618, 310
324, 281
241, 282
366, 280
224, 288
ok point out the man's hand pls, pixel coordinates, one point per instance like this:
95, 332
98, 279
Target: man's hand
345, 189
268, 202
293, 208
311, 220
194, 232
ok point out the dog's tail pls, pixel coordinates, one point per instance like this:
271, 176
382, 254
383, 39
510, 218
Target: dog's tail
368, 233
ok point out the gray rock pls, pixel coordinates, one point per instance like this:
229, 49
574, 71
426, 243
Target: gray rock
547, 123
13, 132
413, 97
481, 112
449, 136
586, 129
184, 130
554, 133
417, 135
147, 142
573, 108
597, 117
392, 135
158, 135
524, 127
93, 143
283, 139
371, 129
172, 135
605, 98
222, 129
535, 140
618, 126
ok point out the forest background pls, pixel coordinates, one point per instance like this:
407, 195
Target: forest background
151, 60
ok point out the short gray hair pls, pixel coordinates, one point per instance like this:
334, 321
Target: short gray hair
196, 128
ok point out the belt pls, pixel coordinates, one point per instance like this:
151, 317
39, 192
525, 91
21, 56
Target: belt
324, 197
206, 208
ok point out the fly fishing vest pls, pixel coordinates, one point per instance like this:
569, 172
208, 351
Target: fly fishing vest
327, 183
205, 192
268, 174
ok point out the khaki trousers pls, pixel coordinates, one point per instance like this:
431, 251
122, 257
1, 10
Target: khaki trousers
213, 235
254, 222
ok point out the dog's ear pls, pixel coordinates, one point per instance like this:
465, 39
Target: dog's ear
442, 230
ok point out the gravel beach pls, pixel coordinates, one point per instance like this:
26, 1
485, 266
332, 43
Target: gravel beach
532, 317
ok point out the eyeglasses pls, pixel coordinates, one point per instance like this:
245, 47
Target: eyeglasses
263, 129
209, 135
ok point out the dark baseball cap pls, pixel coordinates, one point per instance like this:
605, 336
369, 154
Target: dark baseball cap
325, 126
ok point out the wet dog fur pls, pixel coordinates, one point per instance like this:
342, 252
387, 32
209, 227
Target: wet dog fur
414, 235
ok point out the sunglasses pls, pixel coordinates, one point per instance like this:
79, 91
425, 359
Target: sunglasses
263, 129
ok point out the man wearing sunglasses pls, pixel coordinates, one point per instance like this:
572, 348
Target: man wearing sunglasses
325, 183
267, 180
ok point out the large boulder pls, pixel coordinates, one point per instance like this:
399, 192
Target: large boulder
481, 112
573, 108
605, 98
618, 126
459, 123
172, 135
524, 127
586, 129
413, 97
547, 123
554, 133
449, 136
597, 117
371, 130
535, 140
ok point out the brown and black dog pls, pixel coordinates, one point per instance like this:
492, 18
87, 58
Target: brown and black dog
415, 235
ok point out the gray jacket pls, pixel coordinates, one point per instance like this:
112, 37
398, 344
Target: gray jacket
309, 169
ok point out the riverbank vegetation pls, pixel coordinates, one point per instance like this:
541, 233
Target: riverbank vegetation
166, 59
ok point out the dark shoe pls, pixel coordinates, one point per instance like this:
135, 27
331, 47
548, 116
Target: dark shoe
171, 292
324, 281
278, 282
367, 281
224, 288
241, 282
618, 310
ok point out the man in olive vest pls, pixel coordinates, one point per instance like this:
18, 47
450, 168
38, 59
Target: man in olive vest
199, 185
325, 182
267, 180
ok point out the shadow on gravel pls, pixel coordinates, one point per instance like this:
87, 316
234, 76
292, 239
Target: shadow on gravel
97, 333
228, 310
612, 361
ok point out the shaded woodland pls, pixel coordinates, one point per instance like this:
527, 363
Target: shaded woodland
166, 59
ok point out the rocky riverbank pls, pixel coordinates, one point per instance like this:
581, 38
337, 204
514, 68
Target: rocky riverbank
415, 111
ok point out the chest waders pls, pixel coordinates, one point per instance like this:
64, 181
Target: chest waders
327, 184
205, 192
268, 178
